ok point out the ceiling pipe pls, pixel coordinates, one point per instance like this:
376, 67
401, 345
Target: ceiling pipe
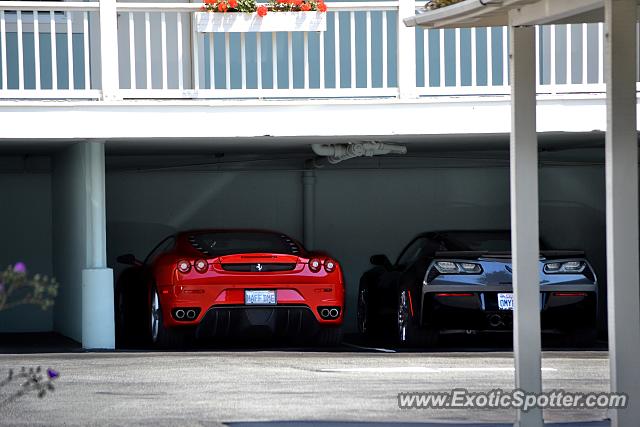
336, 153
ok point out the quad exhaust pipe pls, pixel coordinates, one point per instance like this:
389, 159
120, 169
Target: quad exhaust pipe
179, 314
495, 320
191, 314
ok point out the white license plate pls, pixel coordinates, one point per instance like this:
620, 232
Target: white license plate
505, 301
260, 297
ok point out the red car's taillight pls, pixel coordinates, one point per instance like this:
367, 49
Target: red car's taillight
315, 264
184, 266
201, 266
329, 265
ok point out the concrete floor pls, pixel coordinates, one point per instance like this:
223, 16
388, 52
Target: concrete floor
295, 388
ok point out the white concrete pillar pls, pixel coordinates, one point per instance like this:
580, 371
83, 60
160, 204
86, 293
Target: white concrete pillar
621, 165
308, 208
524, 219
98, 325
84, 308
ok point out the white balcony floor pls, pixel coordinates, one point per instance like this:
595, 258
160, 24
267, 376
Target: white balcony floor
209, 123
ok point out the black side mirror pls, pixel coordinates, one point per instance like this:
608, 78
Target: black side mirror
380, 260
128, 259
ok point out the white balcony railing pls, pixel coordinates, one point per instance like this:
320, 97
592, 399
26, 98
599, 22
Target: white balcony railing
57, 50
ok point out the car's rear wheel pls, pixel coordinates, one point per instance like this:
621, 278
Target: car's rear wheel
130, 320
408, 333
583, 338
329, 336
160, 335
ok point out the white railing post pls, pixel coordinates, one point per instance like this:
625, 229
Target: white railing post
109, 50
406, 51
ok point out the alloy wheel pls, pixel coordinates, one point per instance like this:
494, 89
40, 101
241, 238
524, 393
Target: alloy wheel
403, 316
155, 315
362, 311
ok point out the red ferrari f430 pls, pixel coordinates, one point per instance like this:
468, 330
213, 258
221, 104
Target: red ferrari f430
221, 283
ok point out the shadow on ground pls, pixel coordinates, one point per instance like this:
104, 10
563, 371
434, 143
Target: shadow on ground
51, 342
604, 423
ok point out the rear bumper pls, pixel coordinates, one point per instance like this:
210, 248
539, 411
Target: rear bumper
216, 302
279, 321
561, 308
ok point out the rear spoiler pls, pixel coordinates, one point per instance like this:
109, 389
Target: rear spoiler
550, 254
562, 254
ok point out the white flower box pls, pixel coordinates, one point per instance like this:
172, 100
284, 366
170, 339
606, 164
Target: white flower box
238, 22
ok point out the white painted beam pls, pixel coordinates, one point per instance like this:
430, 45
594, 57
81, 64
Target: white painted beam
621, 166
524, 220
152, 119
549, 11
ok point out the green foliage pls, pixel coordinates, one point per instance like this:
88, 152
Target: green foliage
18, 288
250, 6
436, 4
246, 6
295, 5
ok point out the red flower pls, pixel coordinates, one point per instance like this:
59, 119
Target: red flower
322, 7
222, 7
262, 10
305, 7
209, 1
233, 4
297, 2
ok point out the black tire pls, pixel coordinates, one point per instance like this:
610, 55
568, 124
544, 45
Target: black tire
329, 336
583, 338
160, 336
408, 332
431, 337
123, 335
130, 319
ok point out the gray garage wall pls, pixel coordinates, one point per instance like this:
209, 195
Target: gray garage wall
359, 213
25, 235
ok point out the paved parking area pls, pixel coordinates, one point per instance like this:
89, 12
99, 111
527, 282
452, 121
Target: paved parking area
266, 388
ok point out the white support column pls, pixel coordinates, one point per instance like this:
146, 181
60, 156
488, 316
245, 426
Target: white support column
524, 219
406, 51
621, 157
308, 208
98, 326
109, 50
84, 308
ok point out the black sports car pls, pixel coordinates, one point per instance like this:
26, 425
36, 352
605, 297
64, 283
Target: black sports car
455, 281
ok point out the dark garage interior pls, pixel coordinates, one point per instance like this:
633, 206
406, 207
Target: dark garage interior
362, 207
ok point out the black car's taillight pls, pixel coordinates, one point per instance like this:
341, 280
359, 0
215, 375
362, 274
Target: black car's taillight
457, 267
565, 267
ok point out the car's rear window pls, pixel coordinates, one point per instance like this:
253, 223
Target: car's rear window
228, 243
489, 241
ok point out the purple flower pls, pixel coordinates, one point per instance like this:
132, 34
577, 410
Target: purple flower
20, 267
52, 374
